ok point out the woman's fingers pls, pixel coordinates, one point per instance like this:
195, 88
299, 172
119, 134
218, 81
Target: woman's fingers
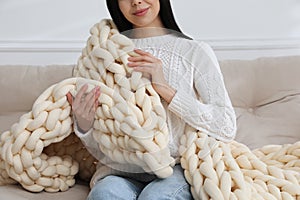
92, 104
141, 58
140, 64
70, 98
97, 95
84, 104
89, 103
81, 94
141, 52
145, 59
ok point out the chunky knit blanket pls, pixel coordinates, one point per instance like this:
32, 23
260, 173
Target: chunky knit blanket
41, 152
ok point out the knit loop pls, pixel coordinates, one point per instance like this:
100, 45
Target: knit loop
218, 170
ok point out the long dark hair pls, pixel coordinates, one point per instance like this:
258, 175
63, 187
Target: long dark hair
165, 13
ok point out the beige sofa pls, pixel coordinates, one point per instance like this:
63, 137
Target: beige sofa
265, 93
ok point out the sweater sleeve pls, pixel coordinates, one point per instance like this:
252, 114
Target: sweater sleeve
205, 104
89, 142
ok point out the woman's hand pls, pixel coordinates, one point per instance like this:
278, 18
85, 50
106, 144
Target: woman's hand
84, 106
153, 66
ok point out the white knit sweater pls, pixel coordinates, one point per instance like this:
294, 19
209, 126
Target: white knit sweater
201, 99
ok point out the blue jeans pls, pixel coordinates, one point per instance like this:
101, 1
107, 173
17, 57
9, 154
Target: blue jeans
119, 188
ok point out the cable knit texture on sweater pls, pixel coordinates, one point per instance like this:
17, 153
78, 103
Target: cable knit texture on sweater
201, 99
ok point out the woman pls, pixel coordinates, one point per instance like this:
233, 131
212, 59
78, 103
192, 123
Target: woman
185, 74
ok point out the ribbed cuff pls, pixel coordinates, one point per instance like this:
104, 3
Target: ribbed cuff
180, 104
79, 133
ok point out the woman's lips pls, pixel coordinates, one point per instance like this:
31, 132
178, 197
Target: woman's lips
141, 12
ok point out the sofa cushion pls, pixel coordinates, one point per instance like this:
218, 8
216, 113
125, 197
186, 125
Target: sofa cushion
265, 94
16, 192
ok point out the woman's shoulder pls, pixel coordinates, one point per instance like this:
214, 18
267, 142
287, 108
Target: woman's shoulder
195, 46
194, 42
200, 44
198, 51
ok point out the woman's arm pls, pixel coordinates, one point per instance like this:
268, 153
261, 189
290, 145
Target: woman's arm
84, 106
211, 110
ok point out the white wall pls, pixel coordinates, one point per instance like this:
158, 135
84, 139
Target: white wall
55, 31
243, 28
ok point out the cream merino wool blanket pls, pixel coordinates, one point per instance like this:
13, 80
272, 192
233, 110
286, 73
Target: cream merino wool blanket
41, 152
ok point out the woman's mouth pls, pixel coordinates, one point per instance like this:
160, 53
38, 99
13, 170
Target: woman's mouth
141, 12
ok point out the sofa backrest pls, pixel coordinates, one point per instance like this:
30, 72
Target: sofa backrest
265, 94
20, 85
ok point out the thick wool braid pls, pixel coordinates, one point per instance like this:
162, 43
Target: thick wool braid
140, 135
130, 125
216, 170
73, 147
23, 158
283, 156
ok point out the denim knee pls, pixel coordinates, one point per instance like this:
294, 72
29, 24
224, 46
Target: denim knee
179, 193
114, 188
174, 187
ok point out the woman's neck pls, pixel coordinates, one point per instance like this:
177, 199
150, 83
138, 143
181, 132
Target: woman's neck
148, 32
155, 28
